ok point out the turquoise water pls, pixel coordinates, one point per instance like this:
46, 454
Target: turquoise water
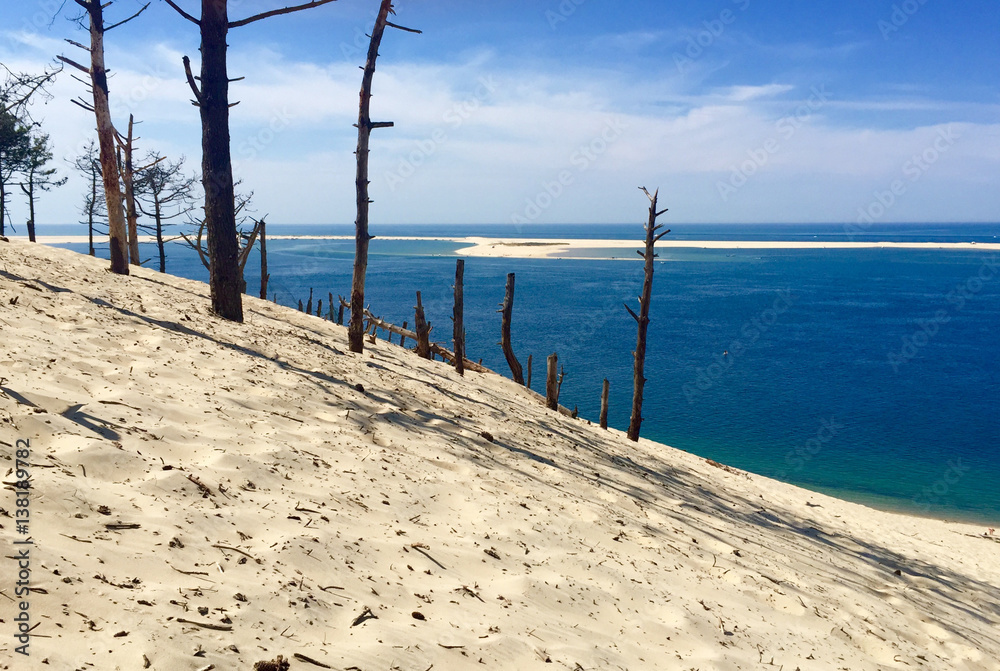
870, 373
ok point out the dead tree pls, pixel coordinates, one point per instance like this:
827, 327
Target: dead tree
642, 319
163, 192
422, 331
605, 390
212, 99
365, 125
93, 208
117, 229
459, 317
506, 312
127, 146
552, 384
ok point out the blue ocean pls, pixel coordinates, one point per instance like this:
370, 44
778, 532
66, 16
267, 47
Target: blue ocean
869, 374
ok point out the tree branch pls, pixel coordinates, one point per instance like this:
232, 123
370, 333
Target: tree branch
182, 13
121, 23
631, 312
397, 27
276, 12
190, 79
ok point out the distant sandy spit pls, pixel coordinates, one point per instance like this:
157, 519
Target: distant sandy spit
555, 248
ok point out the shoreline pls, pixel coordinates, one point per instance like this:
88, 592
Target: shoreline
576, 249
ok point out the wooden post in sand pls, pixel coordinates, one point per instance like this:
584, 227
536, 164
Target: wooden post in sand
423, 330
402, 338
506, 311
458, 317
642, 319
552, 384
604, 403
527, 382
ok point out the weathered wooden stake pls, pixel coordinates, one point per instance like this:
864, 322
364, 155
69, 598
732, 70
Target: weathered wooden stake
458, 334
552, 384
319, 308
527, 382
331, 307
506, 312
606, 388
402, 338
309, 305
265, 277
642, 319
423, 330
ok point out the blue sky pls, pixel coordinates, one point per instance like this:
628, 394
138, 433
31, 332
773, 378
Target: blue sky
554, 111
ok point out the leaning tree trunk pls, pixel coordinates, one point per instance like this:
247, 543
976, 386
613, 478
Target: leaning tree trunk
506, 312
642, 319
117, 231
226, 281
131, 216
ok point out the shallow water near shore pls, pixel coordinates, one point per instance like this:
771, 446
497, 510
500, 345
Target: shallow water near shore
871, 374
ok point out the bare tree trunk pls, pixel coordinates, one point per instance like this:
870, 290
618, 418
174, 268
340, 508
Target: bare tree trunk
459, 317
160, 245
117, 231
423, 330
551, 384
506, 312
605, 390
355, 331
527, 383
264, 275
128, 179
30, 191
225, 279
642, 319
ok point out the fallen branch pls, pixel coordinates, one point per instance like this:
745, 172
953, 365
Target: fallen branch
309, 660
206, 625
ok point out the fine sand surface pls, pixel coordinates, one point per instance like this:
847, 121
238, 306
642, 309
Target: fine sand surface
379, 512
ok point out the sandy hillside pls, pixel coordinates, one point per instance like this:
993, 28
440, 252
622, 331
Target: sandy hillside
290, 498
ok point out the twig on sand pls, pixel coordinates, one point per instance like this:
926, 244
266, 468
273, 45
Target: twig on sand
121, 526
366, 615
309, 660
227, 547
206, 625
205, 491
422, 549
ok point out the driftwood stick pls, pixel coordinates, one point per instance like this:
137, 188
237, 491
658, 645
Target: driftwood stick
422, 549
309, 660
206, 625
606, 388
423, 330
552, 384
459, 318
506, 312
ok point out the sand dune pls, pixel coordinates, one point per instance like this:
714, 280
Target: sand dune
287, 497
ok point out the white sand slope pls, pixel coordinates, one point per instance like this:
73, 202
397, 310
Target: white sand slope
285, 488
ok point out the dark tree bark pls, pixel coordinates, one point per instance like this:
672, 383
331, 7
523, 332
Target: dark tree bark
527, 382
605, 389
212, 97
642, 319
552, 384
506, 313
458, 334
422, 331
